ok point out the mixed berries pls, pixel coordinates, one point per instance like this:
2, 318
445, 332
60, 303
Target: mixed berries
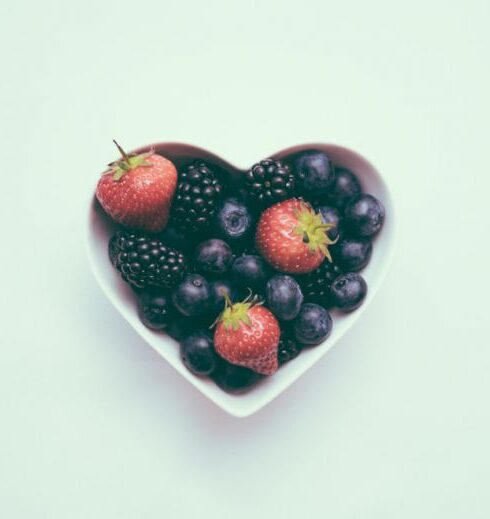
243, 274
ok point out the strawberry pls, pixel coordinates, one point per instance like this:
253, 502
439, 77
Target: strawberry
292, 237
137, 190
247, 334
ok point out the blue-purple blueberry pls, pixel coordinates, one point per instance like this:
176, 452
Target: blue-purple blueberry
192, 297
364, 215
283, 296
352, 254
234, 379
312, 325
198, 354
213, 257
344, 187
234, 221
250, 271
314, 173
348, 291
155, 308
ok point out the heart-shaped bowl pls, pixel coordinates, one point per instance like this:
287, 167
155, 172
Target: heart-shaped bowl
100, 229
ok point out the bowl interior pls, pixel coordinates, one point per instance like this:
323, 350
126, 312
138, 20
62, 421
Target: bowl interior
100, 229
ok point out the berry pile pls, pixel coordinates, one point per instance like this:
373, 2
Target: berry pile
244, 280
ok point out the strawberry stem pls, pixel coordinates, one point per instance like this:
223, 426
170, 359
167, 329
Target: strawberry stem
313, 230
127, 163
235, 314
228, 302
121, 151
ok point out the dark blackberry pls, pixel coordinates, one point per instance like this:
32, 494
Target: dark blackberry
113, 250
144, 261
196, 197
288, 349
269, 181
316, 285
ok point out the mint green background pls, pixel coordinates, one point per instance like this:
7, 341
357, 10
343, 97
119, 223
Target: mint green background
395, 421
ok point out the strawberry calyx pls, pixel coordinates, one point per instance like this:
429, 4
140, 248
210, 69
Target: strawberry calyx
235, 314
126, 163
313, 230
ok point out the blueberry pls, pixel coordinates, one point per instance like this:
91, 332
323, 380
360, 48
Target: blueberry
197, 353
330, 215
345, 186
250, 271
314, 172
218, 290
155, 308
312, 325
192, 297
234, 379
364, 215
348, 291
233, 221
213, 257
283, 296
352, 254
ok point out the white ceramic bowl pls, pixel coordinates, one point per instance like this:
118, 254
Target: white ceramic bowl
100, 228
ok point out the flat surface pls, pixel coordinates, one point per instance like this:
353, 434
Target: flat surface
394, 421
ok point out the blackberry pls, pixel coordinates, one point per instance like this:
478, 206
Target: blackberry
113, 250
145, 261
196, 197
269, 181
316, 285
288, 349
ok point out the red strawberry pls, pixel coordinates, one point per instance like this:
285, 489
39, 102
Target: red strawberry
248, 335
137, 190
292, 237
